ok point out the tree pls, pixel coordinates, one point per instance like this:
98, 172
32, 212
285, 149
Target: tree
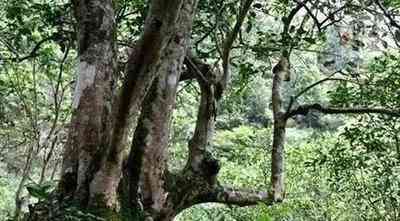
281, 73
101, 172
115, 158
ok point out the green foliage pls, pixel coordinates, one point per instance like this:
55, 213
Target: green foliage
242, 153
6, 198
364, 165
40, 192
379, 86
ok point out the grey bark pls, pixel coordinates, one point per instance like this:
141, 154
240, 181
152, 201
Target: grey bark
143, 66
147, 167
92, 103
281, 72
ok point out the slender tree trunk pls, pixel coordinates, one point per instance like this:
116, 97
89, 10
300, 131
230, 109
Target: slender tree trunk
277, 167
25, 175
281, 73
46, 160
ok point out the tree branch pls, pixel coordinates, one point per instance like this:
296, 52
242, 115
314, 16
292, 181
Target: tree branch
238, 197
305, 90
204, 125
230, 39
194, 65
305, 109
35, 49
387, 14
309, 11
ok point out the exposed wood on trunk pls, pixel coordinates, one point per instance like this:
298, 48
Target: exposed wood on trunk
89, 129
92, 166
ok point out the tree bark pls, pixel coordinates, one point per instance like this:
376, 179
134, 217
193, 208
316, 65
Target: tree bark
281, 72
143, 66
151, 138
92, 103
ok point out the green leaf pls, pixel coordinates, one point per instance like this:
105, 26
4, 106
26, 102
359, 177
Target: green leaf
310, 40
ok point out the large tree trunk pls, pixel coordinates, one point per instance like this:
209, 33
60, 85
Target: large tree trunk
93, 155
147, 163
89, 132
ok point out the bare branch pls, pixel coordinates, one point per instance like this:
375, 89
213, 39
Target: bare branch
312, 15
231, 39
305, 109
329, 78
238, 197
35, 49
330, 16
393, 22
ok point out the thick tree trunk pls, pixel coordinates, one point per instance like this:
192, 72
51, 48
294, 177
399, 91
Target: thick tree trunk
143, 66
147, 162
89, 132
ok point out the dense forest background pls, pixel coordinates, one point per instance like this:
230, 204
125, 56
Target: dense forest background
310, 89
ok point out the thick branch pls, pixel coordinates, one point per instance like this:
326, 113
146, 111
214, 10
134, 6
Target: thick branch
305, 109
141, 66
151, 137
238, 197
204, 128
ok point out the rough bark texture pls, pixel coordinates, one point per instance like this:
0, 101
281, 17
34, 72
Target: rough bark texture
89, 129
142, 68
281, 72
163, 194
147, 162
